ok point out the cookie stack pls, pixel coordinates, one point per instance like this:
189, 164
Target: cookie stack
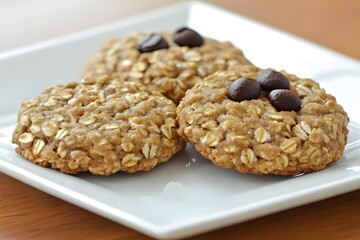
143, 96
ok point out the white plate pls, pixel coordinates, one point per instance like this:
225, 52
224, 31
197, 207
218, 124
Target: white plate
187, 195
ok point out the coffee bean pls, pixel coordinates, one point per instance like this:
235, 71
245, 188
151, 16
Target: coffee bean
152, 42
270, 80
187, 37
244, 89
284, 100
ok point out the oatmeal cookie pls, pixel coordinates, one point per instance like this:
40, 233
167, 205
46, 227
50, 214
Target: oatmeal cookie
289, 126
169, 62
101, 125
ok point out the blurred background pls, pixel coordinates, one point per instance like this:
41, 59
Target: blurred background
334, 23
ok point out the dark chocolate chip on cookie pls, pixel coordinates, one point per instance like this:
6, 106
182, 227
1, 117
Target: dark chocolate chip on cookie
244, 89
188, 37
284, 100
152, 42
270, 80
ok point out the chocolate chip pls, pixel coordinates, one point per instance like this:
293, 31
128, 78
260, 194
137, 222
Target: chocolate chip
187, 37
270, 80
284, 100
151, 42
244, 89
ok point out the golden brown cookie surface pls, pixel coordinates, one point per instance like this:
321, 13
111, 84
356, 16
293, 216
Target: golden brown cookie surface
170, 70
253, 136
102, 126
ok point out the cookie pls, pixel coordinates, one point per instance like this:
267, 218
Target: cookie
256, 135
101, 125
169, 62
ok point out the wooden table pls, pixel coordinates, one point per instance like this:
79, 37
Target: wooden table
26, 213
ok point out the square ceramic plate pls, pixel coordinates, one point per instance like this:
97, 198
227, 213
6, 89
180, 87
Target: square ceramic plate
188, 195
